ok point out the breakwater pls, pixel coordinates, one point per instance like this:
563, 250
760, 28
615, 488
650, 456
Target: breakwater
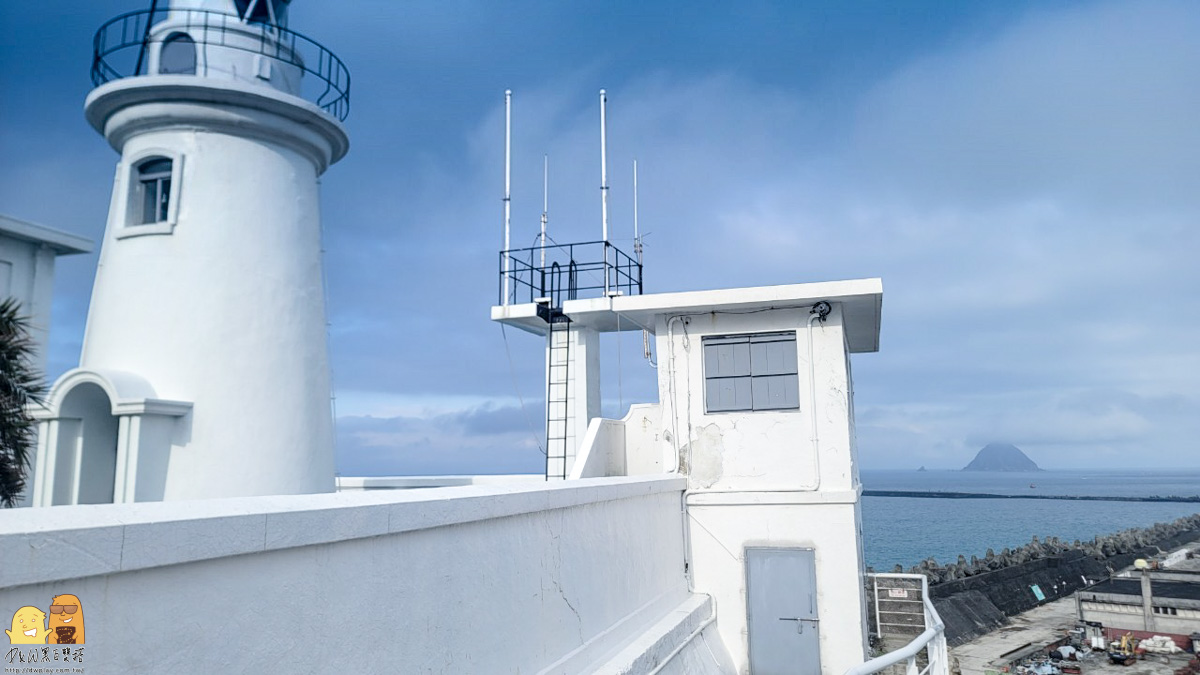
938, 494
977, 595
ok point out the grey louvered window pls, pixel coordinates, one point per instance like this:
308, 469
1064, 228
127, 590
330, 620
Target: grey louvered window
751, 372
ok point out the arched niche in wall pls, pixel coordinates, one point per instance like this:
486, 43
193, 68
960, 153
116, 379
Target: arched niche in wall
104, 437
86, 451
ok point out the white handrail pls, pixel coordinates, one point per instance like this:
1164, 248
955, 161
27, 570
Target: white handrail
933, 637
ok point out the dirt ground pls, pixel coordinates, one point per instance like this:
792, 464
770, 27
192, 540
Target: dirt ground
1152, 664
1041, 625
1045, 625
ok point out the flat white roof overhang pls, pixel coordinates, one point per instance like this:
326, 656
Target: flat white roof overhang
861, 301
62, 243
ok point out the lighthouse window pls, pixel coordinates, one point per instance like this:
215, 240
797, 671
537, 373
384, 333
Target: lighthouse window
178, 55
260, 11
751, 372
150, 201
154, 184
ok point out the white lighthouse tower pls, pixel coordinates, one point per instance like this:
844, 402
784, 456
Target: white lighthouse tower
204, 370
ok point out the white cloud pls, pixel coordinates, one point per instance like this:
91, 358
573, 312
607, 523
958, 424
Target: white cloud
354, 403
485, 439
1019, 196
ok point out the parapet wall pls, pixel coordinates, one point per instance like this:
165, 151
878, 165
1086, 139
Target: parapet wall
548, 577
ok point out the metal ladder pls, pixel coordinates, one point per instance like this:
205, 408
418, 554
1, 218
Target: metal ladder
559, 398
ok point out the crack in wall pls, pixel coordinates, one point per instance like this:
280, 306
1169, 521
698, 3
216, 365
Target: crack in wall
578, 619
556, 560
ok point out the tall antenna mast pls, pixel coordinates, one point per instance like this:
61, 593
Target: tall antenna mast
545, 203
637, 237
637, 251
507, 186
603, 168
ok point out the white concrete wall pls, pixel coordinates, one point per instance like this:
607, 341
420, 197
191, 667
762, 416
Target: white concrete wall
723, 529
582, 387
602, 452
769, 478
1185, 621
27, 274
625, 447
225, 310
94, 459
89, 415
685, 641
763, 450
643, 439
365, 483
548, 578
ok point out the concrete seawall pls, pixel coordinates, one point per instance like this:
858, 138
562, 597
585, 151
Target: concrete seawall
977, 596
979, 604
1170, 499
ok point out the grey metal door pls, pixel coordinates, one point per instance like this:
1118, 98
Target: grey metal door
781, 595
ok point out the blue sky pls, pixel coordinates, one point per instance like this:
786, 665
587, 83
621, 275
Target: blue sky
1021, 175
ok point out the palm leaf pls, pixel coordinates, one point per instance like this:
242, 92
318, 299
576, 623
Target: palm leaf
20, 385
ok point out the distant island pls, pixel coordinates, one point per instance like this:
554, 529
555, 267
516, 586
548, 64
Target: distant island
1001, 457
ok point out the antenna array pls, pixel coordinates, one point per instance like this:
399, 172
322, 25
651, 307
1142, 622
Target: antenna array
621, 273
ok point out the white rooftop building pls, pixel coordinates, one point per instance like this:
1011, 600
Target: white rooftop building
756, 414
27, 255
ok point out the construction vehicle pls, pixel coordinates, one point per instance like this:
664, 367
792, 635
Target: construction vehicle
1123, 652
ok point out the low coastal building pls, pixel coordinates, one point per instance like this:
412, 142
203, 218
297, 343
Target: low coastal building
1145, 603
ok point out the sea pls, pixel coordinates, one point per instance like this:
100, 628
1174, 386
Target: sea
904, 530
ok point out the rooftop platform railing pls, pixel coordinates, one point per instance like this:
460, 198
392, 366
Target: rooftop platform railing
902, 606
121, 49
567, 272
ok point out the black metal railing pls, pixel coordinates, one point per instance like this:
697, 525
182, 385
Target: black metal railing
570, 271
121, 49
